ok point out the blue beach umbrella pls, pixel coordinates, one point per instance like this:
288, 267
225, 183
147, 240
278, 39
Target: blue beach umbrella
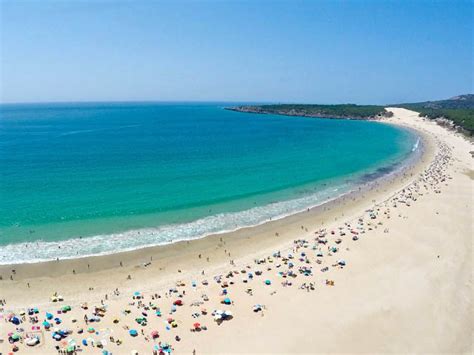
133, 332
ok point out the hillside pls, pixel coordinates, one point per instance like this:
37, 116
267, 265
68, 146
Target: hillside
347, 111
458, 109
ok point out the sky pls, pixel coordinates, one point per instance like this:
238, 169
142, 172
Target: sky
372, 52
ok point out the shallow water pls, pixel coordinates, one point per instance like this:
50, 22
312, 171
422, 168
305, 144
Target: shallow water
96, 178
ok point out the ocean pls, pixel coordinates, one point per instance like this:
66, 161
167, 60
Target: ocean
96, 178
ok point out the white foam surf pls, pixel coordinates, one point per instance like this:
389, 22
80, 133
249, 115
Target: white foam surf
103, 244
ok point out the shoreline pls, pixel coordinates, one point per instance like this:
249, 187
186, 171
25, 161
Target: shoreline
404, 285
364, 181
409, 165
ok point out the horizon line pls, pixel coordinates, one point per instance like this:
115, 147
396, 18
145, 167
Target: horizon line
208, 101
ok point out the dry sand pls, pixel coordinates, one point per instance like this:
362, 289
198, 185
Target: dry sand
407, 286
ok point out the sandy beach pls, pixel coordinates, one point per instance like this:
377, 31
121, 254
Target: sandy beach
385, 269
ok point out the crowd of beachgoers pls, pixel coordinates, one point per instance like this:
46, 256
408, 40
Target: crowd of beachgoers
162, 318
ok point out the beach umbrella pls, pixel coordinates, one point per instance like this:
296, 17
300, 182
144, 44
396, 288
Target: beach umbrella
84, 342
133, 332
46, 324
137, 294
268, 282
49, 316
154, 334
32, 341
16, 337
197, 325
178, 303
227, 300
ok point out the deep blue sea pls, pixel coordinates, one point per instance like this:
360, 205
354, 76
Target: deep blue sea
98, 178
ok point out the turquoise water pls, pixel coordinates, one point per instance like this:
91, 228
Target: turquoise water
95, 178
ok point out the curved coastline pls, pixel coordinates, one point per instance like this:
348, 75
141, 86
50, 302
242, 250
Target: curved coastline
136, 240
385, 180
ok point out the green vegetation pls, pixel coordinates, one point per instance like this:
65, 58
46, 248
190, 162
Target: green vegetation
329, 111
459, 110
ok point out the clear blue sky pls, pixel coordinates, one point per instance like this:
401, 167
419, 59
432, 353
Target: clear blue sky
280, 51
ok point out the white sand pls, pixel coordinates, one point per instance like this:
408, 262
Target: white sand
407, 286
